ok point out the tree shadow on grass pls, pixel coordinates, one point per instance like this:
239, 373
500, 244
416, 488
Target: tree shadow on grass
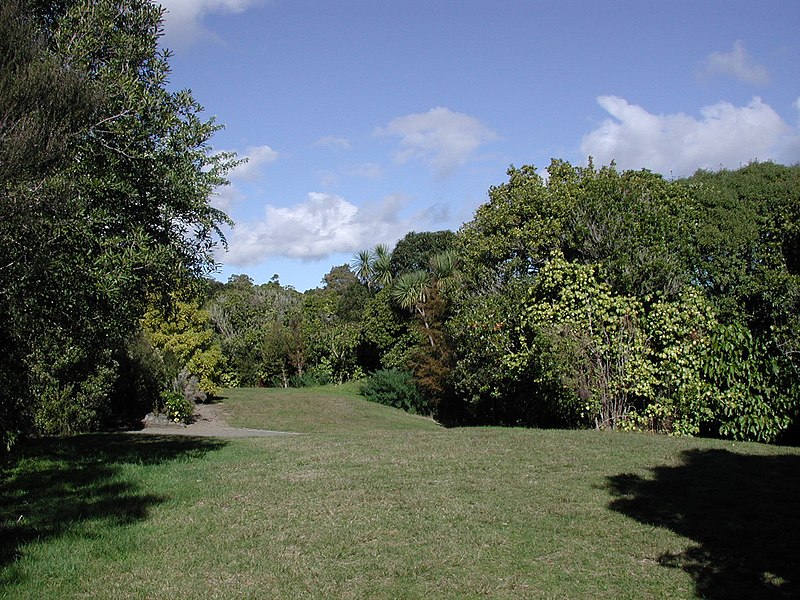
742, 512
53, 486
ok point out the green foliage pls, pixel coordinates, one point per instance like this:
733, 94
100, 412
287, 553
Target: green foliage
104, 190
679, 342
636, 224
185, 338
350, 294
314, 377
395, 387
386, 333
503, 373
143, 376
372, 267
70, 388
44, 102
332, 343
338, 358
668, 306
415, 250
755, 393
177, 407
259, 330
513, 233
747, 256
595, 339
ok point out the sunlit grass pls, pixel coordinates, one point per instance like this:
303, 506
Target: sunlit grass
327, 409
401, 509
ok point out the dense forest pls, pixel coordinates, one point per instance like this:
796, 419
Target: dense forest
587, 298
590, 298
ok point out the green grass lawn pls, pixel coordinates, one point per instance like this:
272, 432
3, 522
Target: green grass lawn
327, 409
374, 503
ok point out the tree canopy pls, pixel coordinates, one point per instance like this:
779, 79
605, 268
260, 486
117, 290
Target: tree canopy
628, 300
105, 178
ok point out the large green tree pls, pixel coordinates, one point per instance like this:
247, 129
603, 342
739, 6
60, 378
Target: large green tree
106, 179
259, 330
630, 300
416, 249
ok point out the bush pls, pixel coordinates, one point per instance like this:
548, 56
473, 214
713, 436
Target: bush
177, 407
396, 388
70, 391
142, 376
311, 378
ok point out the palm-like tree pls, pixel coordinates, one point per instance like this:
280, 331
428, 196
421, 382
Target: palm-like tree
373, 267
445, 271
362, 267
412, 289
381, 265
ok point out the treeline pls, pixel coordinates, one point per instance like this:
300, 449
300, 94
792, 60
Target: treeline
591, 298
625, 300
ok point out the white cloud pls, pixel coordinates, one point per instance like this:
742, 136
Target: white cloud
737, 64
183, 18
441, 138
332, 141
257, 157
225, 196
725, 135
322, 225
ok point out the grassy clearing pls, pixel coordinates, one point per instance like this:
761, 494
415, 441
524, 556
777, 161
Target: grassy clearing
401, 509
326, 409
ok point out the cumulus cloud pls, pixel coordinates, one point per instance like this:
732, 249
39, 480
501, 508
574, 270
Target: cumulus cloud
332, 141
322, 225
441, 138
737, 64
724, 135
183, 18
225, 196
257, 157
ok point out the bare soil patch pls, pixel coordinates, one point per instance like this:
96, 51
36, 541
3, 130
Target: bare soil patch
208, 421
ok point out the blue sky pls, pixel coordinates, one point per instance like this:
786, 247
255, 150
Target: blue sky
366, 119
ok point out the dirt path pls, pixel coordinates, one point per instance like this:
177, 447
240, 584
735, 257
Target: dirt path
209, 421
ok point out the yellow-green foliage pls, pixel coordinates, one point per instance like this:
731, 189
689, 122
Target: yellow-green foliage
177, 407
185, 339
596, 335
679, 334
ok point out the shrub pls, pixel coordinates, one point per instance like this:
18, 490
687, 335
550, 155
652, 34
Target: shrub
311, 378
70, 391
395, 387
142, 376
177, 407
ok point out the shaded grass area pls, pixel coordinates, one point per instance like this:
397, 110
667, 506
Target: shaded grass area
405, 511
740, 511
78, 488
